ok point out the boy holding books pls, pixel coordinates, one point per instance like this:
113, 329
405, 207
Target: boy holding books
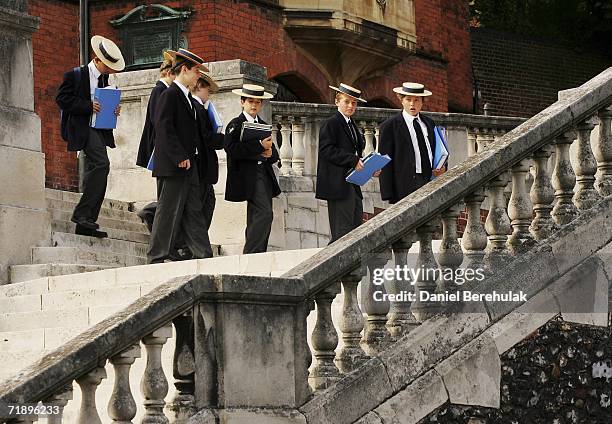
250, 175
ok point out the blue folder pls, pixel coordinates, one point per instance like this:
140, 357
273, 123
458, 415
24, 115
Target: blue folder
371, 163
441, 151
215, 118
109, 100
151, 163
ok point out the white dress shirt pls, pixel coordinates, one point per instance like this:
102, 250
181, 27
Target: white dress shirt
249, 117
165, 83
415, 142
94, 74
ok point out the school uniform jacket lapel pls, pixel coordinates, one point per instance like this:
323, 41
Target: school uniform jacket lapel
190, 108
347, 130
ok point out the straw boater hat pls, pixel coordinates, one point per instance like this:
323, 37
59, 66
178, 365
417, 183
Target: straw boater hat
253, 91
167, 62
184, 54
213, 85
108, 52
412, 89
349, 91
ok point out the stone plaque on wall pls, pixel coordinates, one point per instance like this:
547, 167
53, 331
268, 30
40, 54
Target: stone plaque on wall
147, 30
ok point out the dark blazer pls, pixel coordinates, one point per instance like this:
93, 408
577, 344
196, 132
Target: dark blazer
338, 154
147, 140
75, 100
242, 158
176, 133
397, 179
211, 142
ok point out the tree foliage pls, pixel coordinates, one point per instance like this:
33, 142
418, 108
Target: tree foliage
577, 22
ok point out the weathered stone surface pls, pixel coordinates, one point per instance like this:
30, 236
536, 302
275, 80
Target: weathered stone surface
351, 397
369, 418
422, 396
27, 191
472, 374
19, 128
434, 340
248, 416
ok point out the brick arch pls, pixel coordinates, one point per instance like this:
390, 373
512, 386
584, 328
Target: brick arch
382, 101
300, 75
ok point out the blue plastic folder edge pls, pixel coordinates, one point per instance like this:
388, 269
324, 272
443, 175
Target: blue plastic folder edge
151, 163
109, 99
441, 145
215, 118
371, 163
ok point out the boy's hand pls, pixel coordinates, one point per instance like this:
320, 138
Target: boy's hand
96, 106
267, 143
359, 166
118, 110
185, 164
438, 172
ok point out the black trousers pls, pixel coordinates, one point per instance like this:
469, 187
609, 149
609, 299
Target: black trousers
344, 215
97, 167
259, 214
208, 203
179, 209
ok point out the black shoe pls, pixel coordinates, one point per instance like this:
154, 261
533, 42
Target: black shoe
84, 222
176, 255
82, 231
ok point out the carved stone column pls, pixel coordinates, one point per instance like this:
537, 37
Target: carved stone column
471, 142
154, 385
497, 224
563, 181
183, 368
451, 255
375, 335
603, 153
519, 209
286, 152
121, 406
324, 341
297, 138
401, 321
60, 399
474, 240
586, 195
368, 133
542, 195
88, 414
351, 324
428, 267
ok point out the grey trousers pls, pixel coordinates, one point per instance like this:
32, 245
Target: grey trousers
179, 209
344, 215
259, 214
97, 167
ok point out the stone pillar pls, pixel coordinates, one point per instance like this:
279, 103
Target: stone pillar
24, 221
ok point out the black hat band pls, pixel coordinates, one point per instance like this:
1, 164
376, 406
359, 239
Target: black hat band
106, 55
190, 56
252, 92
414, 90
349, 91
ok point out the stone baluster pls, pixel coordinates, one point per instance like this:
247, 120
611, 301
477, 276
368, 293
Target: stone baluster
121, 406
401, 321
23, 419
427, 266
286, 152
471, 142
376, 135
183, 368
154, 385
586, 195
368, 133
603, 153
351, 324
376, 336
485, 138
519, 209
451, 255
324, 341
206, 392
297, 138
474, 240
563, 181
59, 400
275, 121
88, 414
542, 195
497, 224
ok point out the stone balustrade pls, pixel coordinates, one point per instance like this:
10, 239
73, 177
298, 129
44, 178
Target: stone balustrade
241, 341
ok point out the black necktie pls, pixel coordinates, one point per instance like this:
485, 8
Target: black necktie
192, 103
101, 81
353, 132
425, 163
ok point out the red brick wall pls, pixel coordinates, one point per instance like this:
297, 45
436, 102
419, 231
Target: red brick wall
230, 29
55, 49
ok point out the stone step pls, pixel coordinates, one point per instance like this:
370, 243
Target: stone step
66, 239
119, 214
105, 223
72, 197
19, 273
68, 227
77, 255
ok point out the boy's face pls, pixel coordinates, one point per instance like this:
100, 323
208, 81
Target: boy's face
191, 75
202, 91
251, 106
102, 67
347, 105
412, 104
